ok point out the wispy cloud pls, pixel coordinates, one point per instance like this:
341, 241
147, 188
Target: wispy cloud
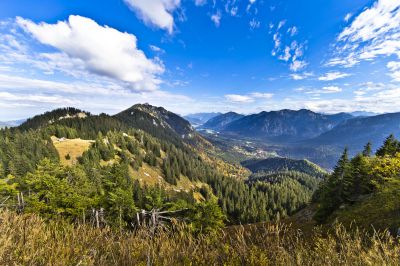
374, 32
333, 76
248, 98
216, 18
293, 51
323, 90
347, 17
301, 76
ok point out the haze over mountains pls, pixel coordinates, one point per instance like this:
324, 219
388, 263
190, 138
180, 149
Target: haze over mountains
12, 123
300, 134
307, 126
199, 119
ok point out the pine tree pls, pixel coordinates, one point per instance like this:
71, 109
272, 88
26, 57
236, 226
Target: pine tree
390, 147
367, 150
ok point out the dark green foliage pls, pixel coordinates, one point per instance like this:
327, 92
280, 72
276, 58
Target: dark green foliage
101, 179
353, 179
21, 151
48, 118
390, 147
279, 164
367, 150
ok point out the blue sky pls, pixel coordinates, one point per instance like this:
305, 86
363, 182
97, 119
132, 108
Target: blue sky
199, 55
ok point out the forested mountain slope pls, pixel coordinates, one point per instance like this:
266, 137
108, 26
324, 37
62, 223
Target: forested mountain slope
285, 125
219, 122
355, 132
364, 189
278, 164
125, 168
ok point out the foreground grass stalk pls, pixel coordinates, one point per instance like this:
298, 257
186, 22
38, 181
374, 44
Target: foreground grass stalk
28, 240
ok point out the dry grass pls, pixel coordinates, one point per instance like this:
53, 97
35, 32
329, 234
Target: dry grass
28, 240
73, 147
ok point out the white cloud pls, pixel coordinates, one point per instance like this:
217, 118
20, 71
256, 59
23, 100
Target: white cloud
53, 99
156, 49
254, 24
100, 49
236, 98
297, 65
216, 18
259, 95
293, 31
286, 55
281, 24
301, 76
333, 76
292, 53
156, 12
318, 92
331, 89
394, 67
89, 88
200, 2
374, 32
347, 17
248, 98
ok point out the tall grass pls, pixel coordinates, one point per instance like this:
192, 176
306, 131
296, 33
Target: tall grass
28, 240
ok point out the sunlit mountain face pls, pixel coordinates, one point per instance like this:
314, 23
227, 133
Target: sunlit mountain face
199, 56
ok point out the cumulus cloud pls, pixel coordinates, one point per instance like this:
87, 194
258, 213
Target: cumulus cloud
374, 32
101, 50
156, 12
333, 76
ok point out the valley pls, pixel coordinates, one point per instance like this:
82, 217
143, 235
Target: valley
68, 163
199, 132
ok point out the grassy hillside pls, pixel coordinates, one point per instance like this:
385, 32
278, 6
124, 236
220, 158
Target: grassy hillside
69, 150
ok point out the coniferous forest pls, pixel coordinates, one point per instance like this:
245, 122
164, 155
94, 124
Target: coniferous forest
126, 173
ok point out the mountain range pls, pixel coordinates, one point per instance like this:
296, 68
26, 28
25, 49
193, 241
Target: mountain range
12, 123
219, 122
199, 119
297, 134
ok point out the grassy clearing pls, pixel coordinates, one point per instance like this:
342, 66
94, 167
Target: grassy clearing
72, 147
28, 240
